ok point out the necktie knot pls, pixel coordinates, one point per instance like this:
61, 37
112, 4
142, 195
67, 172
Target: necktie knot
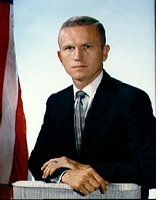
80, 94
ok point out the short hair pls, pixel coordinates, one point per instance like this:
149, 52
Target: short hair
86, 20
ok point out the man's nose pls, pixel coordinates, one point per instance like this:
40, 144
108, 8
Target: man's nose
78, 54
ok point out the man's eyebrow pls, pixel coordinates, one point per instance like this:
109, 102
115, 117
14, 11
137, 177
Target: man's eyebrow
72, 45
65, 46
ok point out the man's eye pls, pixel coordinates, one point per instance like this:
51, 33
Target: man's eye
69, 48
88, 46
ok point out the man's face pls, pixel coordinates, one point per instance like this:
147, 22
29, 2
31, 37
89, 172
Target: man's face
81, 53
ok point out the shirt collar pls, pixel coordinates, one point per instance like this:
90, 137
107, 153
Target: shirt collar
90, 89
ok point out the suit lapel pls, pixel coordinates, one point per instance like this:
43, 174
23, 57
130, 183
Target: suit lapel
98, 108
67, 104
67, 121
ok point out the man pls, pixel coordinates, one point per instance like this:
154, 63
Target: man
118, 143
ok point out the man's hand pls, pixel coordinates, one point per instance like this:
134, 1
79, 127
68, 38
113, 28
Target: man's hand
53, 164
85, 181
80, 177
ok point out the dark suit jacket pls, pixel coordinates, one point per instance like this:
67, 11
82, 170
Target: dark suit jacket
119, 139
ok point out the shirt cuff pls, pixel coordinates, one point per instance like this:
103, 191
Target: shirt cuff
58, 178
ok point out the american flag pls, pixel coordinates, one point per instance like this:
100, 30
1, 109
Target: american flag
13, 141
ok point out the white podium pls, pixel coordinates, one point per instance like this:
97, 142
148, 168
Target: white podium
42, 190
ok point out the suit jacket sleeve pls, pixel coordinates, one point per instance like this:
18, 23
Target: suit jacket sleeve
55, 136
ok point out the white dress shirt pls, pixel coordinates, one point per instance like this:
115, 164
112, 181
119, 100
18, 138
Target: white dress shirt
90, 91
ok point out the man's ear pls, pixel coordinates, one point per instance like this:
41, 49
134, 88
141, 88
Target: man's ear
59, 55
106, 50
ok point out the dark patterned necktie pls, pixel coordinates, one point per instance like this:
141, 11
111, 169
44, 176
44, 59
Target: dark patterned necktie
79, 119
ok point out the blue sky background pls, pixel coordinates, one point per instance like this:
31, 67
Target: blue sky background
129, 28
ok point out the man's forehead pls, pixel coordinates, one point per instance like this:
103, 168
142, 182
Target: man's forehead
81, 29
